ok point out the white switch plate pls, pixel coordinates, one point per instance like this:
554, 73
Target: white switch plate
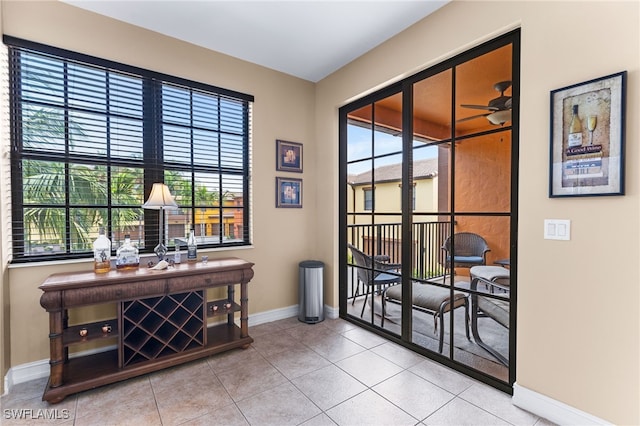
557, 229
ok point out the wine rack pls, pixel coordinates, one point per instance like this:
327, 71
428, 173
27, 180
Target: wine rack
161, 326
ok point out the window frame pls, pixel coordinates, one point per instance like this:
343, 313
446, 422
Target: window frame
153, 164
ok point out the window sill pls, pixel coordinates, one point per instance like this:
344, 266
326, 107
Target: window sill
144, 258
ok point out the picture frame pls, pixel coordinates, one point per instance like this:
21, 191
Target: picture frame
288, 156
588, 138
288, 192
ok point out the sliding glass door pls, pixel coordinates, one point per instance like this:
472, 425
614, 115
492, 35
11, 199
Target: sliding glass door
428, 211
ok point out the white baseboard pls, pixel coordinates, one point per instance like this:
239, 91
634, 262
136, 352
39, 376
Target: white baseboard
287, 312
25, 372
273, 315
552, 410
331, 312
39, 369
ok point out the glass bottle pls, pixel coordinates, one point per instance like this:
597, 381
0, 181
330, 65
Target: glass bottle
127, 255
101, 253
575, 129
192, 246
177, 256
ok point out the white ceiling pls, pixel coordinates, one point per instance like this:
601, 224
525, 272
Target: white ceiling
305, 38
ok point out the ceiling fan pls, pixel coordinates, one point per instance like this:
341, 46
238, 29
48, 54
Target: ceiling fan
499, 108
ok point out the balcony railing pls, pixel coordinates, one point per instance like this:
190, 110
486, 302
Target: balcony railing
427, 257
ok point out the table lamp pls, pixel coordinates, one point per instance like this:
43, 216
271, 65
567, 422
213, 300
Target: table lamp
160, 199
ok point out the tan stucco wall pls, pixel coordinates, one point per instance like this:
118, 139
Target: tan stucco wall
578, 332
483, 182
283, 109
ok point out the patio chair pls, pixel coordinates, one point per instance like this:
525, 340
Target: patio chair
431, 299
470, 250
494, 305
373, 273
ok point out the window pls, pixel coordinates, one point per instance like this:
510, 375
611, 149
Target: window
89, 139
368, 199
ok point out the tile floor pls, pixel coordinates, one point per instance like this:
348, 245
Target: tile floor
331, 373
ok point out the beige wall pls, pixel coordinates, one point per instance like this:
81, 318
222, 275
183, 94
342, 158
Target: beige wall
578, 301
283, 109
4, 289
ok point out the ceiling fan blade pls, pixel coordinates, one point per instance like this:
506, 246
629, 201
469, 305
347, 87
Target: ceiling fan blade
473, 117
485, 107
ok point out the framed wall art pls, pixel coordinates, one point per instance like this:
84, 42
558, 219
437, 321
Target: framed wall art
288, 156
587, 138
288, 192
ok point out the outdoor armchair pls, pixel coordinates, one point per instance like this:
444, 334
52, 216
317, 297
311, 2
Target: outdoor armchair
470, 250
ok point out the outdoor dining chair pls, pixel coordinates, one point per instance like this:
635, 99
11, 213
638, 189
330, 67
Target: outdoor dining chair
373, 273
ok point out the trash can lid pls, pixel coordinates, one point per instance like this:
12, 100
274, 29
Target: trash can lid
311, 264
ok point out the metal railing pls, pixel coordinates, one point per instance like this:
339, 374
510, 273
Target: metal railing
386, 239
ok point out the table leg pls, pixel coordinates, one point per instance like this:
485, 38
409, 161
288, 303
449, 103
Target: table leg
244, 310
231, 294
56, 347
65, 325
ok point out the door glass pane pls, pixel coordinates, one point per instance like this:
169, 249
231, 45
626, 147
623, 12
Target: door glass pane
359, 134
387, 114
483, 174
374, 206
483, 92
431, 147
388, 186
488, 239
432, 108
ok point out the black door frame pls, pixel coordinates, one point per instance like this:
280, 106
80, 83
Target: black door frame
512, 38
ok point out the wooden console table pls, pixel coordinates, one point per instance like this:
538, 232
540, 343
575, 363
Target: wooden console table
161, 321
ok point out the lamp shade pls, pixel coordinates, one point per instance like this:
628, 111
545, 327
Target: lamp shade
160, 198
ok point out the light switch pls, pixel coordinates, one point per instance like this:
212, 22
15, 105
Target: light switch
557, 229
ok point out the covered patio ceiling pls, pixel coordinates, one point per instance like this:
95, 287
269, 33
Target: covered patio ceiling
475, 81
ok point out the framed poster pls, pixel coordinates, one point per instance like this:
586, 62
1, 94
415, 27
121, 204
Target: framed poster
587, 138
288, 192
288, 156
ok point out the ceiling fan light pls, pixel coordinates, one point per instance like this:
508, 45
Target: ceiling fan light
499, 117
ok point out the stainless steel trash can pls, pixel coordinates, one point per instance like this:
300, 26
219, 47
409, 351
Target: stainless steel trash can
311, 287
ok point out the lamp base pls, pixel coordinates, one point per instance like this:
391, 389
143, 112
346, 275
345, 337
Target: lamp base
160, 250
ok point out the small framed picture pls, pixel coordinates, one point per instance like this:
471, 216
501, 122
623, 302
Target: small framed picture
288, 156
288, 192
587, 138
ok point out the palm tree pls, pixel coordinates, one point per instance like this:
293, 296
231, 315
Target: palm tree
45, 188
44, 183
126, 191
